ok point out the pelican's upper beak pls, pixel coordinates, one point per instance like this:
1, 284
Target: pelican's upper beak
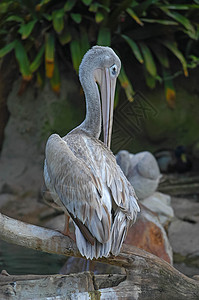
107, 87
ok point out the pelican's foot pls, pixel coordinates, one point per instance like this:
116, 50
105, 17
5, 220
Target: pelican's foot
68, 233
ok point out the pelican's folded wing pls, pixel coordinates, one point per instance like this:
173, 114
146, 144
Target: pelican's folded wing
79, 192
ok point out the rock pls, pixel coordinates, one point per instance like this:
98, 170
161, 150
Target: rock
161, 205
33, 116
141, 170
148, 234
184, 238
186, 209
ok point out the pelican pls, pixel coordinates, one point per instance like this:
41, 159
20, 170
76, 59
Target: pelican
81, 172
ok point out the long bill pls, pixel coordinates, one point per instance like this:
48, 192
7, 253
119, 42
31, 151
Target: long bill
107, 96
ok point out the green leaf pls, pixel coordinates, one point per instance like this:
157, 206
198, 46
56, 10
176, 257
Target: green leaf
69, 5
104, 37
49, 55
125, 83
150, 80
183, 20
180, 6
38, 60
87, 2
40, 80
58, 20
65, 37
94, 7
143, 6
44, 2
134, 48
99, 17
148, 60
160, 53
23, 61
6, 49
15, 19
26, 29
169, 88
4, 7
75, 50
172, 46
55, 80
84, 43
158, 21
77, 18
47, 17
134, 16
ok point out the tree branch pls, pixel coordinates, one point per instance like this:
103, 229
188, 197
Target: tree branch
147, 275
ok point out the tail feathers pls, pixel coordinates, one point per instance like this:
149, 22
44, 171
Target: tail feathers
119, 231
91, 251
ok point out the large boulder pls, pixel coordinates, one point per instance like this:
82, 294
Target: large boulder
148, 234
160, 204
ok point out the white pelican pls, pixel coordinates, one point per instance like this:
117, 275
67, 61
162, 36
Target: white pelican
81, 172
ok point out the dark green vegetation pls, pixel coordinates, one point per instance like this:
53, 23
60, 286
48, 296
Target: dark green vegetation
46, 34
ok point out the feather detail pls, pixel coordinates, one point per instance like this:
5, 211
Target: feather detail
85, 181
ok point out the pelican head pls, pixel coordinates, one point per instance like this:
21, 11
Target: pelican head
104, 66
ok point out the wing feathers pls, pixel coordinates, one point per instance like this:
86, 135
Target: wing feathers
84, 177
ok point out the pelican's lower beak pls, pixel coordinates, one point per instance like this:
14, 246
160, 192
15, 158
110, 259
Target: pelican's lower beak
107, 96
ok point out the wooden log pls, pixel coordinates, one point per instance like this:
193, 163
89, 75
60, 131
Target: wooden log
184, 184
147, 276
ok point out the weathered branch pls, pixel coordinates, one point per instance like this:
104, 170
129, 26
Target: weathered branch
147, 276
186, 184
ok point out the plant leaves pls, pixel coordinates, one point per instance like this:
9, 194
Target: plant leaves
87, 2
65, 37
180, 6
7, 48
77, 18
125, 83
172, 46
150, 80
26, 29
84, 43
160, 52
69, 5
48, 17
104, 37
183, 20
23, 61
99, 17
134, 16
75, 51
94, 7
58, 20
15, 19
37, 61
49, 55
158, 21
55, 80
148, 60
40, 80
169, 88
134, 48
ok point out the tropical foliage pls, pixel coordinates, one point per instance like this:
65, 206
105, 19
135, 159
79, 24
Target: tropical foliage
44, 33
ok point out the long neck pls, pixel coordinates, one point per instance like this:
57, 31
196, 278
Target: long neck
92, 122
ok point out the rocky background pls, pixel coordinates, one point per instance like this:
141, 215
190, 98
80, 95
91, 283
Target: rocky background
34, 114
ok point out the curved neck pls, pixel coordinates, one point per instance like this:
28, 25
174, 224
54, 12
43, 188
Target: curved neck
92, 122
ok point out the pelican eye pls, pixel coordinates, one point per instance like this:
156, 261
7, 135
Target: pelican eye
113, 70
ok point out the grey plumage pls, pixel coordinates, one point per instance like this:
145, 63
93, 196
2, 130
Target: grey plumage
83, 176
